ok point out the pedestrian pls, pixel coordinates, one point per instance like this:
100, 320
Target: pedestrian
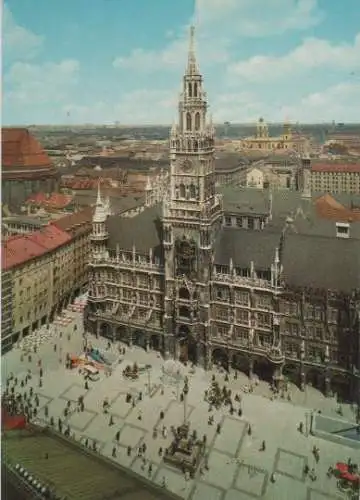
218, 428
41, 372
113, 454
129, 451
111, 421
117, 436
46, 411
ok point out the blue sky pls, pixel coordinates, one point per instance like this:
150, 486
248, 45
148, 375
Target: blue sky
102, 61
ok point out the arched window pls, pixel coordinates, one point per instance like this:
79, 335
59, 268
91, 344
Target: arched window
184, 294
192, 191
189, 89
188, 121
189, 145
182, 190
184, 312
197, 121
196, 146
195, 89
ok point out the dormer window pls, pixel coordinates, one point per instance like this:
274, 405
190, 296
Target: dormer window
342, 230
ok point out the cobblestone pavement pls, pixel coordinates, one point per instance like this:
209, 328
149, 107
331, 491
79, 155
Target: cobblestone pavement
237, 469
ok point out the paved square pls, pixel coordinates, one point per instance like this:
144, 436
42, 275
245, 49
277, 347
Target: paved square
130, 436
175, 481
81, 419
232, 432
99, 426
319, 495
290, 464
285, 488
229, 453
221, 471
207, 492
251, 480
73, 392
119, 406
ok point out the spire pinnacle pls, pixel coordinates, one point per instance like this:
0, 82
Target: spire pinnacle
192, 66
98, 198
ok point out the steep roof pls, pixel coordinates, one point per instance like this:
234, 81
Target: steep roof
143, 230
21, 151
75, 222
244, 246
19, 249
321, 262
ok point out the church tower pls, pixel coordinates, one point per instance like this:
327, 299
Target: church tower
192, 216
304, 173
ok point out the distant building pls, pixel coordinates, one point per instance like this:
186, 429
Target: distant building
26, 168
333, 177
47, 268
262, 141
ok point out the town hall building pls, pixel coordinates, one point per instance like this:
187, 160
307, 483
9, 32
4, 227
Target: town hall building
243, 277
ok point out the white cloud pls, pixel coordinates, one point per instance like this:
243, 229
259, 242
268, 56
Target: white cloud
40, 83
143, 106
19, 43
173, 56
312, 54
339, 102
217, 22
257, 18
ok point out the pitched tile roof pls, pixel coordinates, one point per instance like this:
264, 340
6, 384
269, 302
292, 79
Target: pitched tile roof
53, 201
20, 149
19, 249
77, 221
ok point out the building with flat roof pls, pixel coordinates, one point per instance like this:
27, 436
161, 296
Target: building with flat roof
335, 177
70, 471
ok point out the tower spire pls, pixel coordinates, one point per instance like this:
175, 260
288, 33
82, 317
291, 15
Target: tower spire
98, 198
192, 68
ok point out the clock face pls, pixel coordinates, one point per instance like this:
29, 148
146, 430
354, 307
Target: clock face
186, 165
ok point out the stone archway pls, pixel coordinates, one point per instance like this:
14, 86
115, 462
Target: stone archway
263, 369
155, 342
341, 386
220, 357
106, 330
291, 371
139, 338
315, 378
187, 345
240, 362
121, 333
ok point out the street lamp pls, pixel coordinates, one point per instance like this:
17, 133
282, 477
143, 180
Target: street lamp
185, 392
149, 384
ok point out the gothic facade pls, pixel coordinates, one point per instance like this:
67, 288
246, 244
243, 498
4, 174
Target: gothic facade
220, 277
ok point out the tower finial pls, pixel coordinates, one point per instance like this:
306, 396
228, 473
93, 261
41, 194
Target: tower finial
192, 66
98, 199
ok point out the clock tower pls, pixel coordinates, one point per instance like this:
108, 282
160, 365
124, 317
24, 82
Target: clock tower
192, 216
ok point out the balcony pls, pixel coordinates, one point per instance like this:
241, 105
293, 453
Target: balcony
275, 356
